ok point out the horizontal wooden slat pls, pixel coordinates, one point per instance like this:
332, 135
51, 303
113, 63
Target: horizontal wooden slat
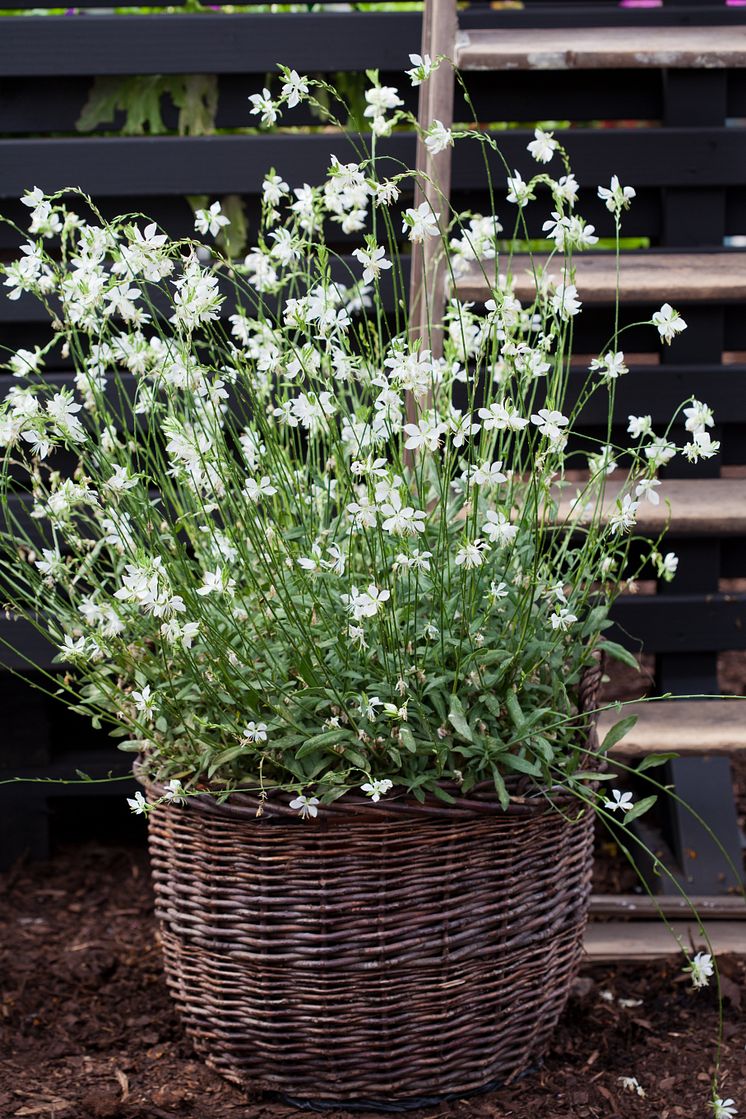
223, 42
614, 941
684, 726
601, 48
168, 165
645, 277
694, 506
641, 906
675, 623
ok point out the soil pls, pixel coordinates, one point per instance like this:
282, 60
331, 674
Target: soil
88, 1031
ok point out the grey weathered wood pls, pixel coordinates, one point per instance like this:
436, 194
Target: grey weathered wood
651, 940
641, 906
601, 48
427, 285
686, 726
689, 506
706, 277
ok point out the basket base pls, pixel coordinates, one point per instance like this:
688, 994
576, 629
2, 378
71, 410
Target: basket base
388, 1107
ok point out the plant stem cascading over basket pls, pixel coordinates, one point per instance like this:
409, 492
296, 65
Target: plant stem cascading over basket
292, 555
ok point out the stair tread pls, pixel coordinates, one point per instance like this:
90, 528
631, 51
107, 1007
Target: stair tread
693, 506
641, 906
706, 277
650, 940
596, 48
685, 726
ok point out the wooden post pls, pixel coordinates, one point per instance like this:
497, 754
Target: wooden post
428, 273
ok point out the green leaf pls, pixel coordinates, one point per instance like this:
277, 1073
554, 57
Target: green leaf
320, 741
500, 787
655, 759
457, 719
514, 710
223, 758
441, 794
618, 653
639, 809
130, 745
521, 765
356, 758
407, 739
617, 732
161, 724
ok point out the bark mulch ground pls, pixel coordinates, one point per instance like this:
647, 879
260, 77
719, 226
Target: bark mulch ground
87, 1029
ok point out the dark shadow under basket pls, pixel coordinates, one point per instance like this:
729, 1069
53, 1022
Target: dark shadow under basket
379, 953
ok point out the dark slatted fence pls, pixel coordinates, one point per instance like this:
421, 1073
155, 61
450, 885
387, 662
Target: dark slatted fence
676, 135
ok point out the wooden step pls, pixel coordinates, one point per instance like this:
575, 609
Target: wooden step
614, 941
693, 506
643, 907
645, 277
602, 48
683, 726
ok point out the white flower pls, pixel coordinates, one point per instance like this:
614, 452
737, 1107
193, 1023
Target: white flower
294, 89
368, 707
254, 732
701, 968
667, 565
669, 322
562, 620
438, 138
550, 424
138, 804
501, 417
701, 446
472, 554
488, 474
723, 1109
264, 106
610, 366
621, 800
174, 793
373, 260
420, 223
625, 515
274, 188
217, 581
497, 591
646, 487
565, 302
518, 191
698, 417
376, 789
616, 197
256, 490
365, 604
385, 193
307, 806
639, 426
631, 1084
211, 220
422, 68
144, 701
402, 520
543, 147
498, 528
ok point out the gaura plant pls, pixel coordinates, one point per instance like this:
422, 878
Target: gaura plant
285, 544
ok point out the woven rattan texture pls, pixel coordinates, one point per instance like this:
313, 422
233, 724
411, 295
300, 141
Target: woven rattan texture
367, 955
358, 962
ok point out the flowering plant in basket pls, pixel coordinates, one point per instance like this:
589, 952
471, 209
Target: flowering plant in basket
283, 545
290, 546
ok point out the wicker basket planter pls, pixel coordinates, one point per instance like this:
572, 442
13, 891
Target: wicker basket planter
382, 953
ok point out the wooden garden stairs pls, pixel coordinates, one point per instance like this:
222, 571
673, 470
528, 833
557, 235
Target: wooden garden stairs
707, 514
